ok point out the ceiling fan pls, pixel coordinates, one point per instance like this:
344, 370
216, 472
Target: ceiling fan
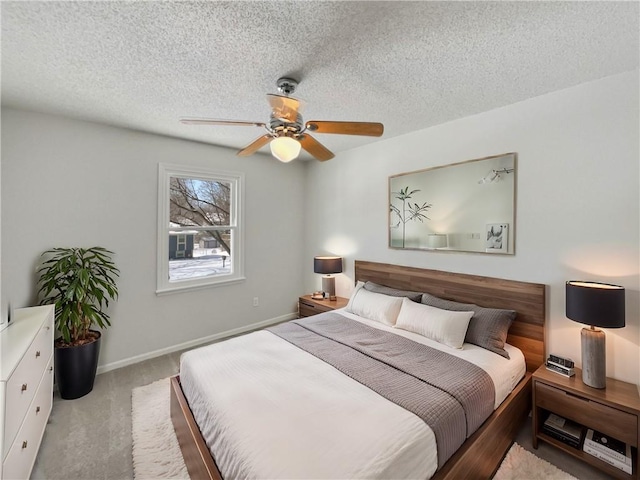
287, 132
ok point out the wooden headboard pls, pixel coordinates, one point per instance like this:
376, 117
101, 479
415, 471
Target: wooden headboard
528, 299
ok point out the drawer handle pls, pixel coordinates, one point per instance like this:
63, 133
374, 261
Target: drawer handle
37, 353
577, 397
37, 409
24, 444
51, 369
24, 387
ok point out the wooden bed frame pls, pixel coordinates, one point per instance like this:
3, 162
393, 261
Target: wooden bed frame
481, 454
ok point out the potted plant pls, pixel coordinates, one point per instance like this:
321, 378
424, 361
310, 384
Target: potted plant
80, 282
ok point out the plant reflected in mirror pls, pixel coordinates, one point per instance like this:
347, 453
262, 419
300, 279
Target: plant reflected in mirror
408, 212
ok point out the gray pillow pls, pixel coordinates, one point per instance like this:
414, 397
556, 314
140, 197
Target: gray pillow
487, 328
393, 292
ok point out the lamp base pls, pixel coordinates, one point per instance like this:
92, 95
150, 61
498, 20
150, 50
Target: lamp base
594, 359
329, 287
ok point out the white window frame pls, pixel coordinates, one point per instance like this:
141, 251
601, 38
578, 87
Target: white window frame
236, 225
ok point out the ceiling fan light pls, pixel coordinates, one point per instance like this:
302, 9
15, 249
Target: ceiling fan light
285, 149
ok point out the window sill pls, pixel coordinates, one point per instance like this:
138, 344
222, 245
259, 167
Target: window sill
200, 286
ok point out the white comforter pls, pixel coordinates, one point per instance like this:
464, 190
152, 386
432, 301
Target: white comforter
270, 410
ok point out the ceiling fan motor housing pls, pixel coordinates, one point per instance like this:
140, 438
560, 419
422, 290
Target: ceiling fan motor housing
279, 126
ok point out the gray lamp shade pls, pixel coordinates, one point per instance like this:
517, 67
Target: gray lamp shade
327, 265
595, 304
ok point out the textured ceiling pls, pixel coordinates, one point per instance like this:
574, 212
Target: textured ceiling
409, 65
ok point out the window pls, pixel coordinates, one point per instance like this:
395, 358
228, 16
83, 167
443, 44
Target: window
199, 228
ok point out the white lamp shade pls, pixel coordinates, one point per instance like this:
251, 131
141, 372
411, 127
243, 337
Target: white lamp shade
437, 240
285, 149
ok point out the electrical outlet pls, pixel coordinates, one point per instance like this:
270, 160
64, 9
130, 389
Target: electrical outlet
256, 301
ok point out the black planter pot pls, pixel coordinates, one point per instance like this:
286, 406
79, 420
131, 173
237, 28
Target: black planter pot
76, 369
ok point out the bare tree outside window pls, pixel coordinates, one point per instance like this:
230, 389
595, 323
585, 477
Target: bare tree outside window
201, 203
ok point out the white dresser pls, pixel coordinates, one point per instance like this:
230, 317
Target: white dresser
26, 388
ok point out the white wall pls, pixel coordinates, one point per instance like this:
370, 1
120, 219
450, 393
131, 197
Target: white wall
3, 315
577, 214
72, 183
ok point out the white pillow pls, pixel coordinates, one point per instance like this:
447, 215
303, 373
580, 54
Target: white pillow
374, 306
443, 326
359, 285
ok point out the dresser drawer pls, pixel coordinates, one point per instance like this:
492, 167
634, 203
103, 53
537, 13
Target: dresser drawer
305, 310
605, 419
43, 401
22, 453
43, 343
23, 383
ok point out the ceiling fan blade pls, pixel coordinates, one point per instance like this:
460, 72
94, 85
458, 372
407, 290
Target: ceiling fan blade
315, 148
285, 108
210, 121
254, 146
369, 129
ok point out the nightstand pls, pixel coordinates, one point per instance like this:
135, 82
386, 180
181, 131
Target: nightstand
308, 306
612, 411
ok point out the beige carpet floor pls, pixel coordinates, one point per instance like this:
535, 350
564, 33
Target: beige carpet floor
156, 454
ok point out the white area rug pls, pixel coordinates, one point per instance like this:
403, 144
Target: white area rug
156, 453
520, 464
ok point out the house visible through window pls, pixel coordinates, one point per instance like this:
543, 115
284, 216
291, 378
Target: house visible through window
199, 229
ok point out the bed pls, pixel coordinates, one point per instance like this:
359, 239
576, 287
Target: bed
477, 457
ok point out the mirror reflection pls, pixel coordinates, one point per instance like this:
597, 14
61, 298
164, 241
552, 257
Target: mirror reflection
464, 207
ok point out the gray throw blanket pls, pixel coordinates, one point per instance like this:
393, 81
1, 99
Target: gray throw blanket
453, 396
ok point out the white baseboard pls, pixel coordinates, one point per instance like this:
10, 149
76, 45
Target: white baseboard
193, 343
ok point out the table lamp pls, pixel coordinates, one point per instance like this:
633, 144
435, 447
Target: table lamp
327, 266
597, 305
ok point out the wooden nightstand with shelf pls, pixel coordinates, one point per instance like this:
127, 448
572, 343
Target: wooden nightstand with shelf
308, 306
613, 411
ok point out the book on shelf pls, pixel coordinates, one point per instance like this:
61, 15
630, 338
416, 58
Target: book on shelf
561, 437
609, 450
606, 444
624, 466
562, 429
